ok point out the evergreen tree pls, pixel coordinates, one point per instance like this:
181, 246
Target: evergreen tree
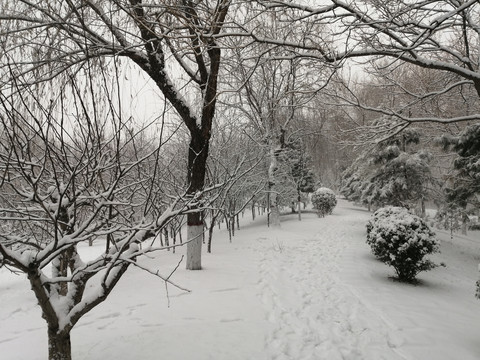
466, 184
301, 173
392, 173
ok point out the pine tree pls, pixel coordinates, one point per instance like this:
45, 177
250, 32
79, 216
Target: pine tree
392, 173
466, 185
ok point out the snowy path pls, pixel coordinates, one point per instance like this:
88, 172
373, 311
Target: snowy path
310, 290
314, 315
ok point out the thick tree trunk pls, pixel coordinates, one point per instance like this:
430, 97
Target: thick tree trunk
195, 240
197, 164
274, 208
59, 346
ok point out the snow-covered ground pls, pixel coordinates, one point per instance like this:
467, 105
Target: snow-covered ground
309, 290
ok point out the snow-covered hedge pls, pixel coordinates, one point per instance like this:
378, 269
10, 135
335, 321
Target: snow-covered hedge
324, 201
401, 240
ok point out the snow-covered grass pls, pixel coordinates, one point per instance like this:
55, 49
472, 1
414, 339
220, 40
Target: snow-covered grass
309, 290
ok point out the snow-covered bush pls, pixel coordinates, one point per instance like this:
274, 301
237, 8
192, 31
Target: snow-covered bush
324, 201
401, 240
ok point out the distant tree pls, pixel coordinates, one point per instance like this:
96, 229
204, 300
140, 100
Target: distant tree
302, 174
391, 173
439, 35
275, 90
232, 156
465, 187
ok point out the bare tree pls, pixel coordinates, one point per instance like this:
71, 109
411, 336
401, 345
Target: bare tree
439, 35
275, 89
174, 42
73, 171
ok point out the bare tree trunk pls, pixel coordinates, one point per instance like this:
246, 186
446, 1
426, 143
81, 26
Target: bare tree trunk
229, 228
197, 163
167, 242
213, 220
59, 346
268, 205
273, 194
160, 236
465, 221
174, 237
194, 246
274, 209
232, 224
299, 208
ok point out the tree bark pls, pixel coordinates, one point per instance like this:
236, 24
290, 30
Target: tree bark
299, 207
194, 246
197, 164
59, 346
211, 227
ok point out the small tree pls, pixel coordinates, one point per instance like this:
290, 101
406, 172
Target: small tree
450, 217
401, 240
68, 178
303, 176
324, 201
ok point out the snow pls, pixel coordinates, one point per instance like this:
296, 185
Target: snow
310, 290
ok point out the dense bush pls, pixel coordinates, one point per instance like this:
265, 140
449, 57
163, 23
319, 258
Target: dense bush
401, 240
324, 201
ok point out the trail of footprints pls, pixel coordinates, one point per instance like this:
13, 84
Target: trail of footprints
313, 316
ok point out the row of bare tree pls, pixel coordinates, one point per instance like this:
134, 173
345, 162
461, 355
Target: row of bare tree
245, 82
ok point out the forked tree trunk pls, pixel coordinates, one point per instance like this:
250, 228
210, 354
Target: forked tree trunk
59, 346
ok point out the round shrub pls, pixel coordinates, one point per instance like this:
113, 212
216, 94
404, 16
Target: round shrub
401, 240
324, 201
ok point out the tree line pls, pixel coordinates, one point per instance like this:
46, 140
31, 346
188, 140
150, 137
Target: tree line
251, 99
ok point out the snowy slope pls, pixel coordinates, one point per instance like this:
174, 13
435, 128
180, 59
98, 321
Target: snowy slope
310, 290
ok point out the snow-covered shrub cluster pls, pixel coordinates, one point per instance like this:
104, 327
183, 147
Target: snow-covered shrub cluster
401, 240
324, 201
